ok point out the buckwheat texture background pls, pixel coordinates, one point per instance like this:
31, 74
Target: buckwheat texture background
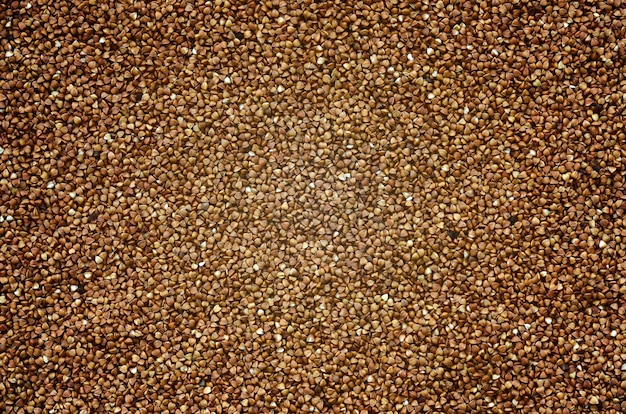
274, 207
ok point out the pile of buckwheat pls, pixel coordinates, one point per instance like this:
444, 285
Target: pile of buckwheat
314, 206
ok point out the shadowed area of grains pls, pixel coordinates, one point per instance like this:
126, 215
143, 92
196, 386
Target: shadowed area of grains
229, 207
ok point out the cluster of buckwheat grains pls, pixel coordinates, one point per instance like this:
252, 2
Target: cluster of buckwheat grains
314, 206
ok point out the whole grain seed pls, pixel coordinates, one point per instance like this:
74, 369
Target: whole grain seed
312, 206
